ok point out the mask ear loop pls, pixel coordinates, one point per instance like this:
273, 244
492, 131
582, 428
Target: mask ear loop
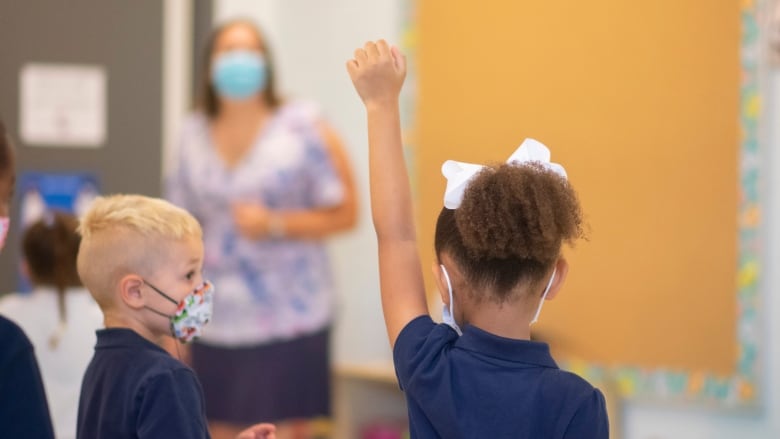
450, 320
449, 288
178, 354
170, 299
544, 297
157, 312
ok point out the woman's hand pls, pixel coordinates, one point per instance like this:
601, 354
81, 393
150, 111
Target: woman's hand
258, 431
252, 220
378, 72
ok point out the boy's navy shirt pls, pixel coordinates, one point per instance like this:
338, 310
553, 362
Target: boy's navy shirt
24, 412
134, 389
480, 385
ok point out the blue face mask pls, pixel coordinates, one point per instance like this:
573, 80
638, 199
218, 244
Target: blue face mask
239, 74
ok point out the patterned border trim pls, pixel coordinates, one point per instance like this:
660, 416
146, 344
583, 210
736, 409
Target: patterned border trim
741, 389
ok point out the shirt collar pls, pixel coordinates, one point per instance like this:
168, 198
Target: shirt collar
519, 351
123, 338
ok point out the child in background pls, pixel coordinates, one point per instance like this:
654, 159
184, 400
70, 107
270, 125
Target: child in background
23, 409
141, 259
498, 243
59, 315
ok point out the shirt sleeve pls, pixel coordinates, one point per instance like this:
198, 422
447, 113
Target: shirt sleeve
590, 420
323, 183
24, 411
177, 187
171, 405
419, 352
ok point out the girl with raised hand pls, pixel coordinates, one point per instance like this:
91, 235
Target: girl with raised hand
498, 245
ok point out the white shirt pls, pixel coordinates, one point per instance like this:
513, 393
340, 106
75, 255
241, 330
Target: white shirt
62, 367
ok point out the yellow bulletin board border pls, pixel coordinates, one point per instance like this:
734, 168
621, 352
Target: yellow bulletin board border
741, 389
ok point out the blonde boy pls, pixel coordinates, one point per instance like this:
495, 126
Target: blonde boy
141, 259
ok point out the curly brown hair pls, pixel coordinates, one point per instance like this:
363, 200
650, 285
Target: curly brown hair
510, 227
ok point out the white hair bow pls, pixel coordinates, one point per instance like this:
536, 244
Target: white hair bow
459, 174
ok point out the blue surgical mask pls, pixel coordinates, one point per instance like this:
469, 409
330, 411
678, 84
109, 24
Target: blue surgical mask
239, 74
448, 313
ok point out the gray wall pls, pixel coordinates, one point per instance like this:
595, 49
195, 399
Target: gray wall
126, 37
202, 22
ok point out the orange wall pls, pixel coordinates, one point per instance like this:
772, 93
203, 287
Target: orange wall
639, 100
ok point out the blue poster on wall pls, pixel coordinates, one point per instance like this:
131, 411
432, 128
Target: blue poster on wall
42, 193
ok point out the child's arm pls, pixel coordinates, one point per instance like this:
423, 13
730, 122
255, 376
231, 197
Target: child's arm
258, 431
378, 73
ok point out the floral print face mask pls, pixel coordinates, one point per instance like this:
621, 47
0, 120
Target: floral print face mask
192, 312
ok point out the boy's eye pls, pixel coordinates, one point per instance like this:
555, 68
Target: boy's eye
191, 275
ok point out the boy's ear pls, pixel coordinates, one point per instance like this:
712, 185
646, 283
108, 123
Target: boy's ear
441, 283
130, 291
561, 271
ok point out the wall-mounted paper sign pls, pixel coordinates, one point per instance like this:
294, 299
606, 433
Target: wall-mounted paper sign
62, 105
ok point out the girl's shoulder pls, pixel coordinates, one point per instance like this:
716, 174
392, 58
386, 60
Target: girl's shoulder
14, 339
14, 303
564, 382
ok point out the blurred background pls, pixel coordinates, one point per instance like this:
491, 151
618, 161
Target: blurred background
664, 113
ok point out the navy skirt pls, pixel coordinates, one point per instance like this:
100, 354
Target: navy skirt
267, 383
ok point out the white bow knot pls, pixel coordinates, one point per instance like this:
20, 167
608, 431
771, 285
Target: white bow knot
460, 174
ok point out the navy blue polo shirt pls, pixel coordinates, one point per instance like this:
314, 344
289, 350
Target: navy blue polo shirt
134, 389
24, 412
480, 385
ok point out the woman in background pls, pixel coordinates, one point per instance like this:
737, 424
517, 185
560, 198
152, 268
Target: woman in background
268, 180
59, 315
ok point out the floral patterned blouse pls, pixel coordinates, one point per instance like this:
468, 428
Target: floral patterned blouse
268, 289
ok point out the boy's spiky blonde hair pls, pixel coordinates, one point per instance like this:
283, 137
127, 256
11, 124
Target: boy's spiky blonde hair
124, 234
143, 215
